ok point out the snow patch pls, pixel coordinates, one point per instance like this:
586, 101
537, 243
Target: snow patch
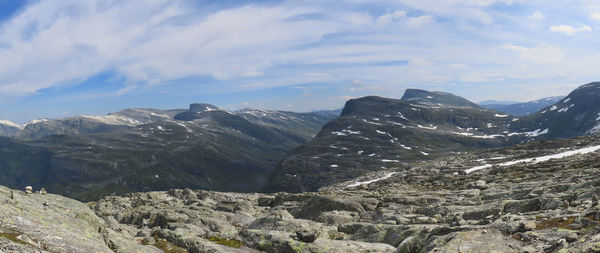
386, 176
430, 127
114, 120
11, 124
500, 115
566, 108
372, 123
533, 133
405, 147
539, 159
35, 121
401, 116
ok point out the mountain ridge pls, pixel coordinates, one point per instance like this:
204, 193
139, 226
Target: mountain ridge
374, 133
524, 108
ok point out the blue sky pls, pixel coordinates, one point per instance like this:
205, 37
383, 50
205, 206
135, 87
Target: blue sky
61, 58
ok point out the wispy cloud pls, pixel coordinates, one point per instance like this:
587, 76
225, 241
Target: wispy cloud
251, 46
537, 15
570, 30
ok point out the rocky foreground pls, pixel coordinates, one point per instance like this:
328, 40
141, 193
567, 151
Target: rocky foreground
549, 206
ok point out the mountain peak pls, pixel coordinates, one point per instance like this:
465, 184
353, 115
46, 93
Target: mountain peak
10, 124
202, 107
436, 98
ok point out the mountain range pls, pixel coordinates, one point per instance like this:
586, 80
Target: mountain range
375, 133
520, 109
204, 147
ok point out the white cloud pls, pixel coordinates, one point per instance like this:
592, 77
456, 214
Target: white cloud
539, 54
595, 15
457, 9
569, 30
258, 46
419, 21
357, 83
253, 74
537, 15
391, 17
57, 42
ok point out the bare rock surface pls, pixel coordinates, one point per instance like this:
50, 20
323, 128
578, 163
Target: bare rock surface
548, 206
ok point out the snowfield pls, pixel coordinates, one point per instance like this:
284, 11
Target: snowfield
539, 159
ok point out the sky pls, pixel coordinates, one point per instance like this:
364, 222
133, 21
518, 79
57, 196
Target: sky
61, 58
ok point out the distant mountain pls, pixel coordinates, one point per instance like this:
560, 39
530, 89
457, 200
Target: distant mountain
9, 129
375, 133
497, 102
576, 114
202, 147
522, 108
335, 112
436, 98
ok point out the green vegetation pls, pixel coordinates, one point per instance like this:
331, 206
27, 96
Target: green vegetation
13, 237
233, 243
168, 247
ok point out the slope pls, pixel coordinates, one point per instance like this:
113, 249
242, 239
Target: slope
375, 133
521, 109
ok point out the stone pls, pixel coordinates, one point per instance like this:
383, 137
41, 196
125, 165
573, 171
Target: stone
43, 191
409, 245
317, 205
337, 218
306, 235
528, 225
265, 200
28, 189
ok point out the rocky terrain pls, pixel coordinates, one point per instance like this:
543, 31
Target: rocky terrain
535, 197
375, 133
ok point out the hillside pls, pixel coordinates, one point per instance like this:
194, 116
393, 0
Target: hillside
576, 114
535, 197
521, 109
132, 150
375, 133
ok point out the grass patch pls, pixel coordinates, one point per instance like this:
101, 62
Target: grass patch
226, 242
168, 247
555, 223
13, 237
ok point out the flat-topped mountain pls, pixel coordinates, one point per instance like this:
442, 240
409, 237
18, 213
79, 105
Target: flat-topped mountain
436, 98
375, 133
